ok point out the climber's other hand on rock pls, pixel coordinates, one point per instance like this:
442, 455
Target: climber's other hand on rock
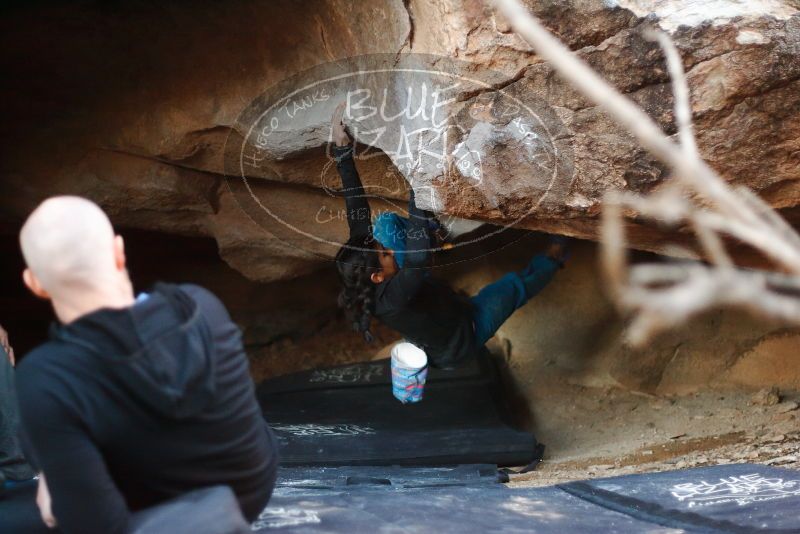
338, 131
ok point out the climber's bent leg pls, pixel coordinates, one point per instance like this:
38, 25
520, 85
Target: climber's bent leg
539, 272
495, 303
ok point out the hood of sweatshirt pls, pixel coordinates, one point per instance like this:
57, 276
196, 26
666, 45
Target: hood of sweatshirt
160, 350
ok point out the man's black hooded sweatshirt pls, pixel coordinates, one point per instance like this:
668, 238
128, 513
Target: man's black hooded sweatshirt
125, 408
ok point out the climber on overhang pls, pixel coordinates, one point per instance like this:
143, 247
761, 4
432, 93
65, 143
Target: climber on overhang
385, 272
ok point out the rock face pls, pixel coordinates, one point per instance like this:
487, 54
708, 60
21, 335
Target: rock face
153, 110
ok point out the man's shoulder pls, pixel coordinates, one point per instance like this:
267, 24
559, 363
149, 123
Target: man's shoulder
47, 362
209, 304
202, 296
42, 374
199, 294
41, 359
195, 290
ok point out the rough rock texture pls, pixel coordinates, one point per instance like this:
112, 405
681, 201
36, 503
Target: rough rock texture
132, 105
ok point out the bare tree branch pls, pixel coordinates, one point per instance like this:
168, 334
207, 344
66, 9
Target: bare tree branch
662, 296
712, 245
680, 90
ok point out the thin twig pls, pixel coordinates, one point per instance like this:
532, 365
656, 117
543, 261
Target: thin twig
680, 91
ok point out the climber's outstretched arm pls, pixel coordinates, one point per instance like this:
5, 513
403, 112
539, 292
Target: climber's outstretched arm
358, 213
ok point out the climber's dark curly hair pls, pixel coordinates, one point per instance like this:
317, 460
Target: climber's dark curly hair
356, 261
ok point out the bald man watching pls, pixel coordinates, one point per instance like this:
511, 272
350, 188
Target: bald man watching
132, 401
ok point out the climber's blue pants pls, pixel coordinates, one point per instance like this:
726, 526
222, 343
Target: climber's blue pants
495, 303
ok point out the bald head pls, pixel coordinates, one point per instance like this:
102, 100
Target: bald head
68, 243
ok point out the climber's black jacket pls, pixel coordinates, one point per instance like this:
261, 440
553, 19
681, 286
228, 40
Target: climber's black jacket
425, 311
125, 408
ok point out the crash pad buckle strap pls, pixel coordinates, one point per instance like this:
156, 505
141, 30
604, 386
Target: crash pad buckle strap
538, 454
655, 513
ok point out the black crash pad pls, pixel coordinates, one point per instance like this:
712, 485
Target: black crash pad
302, 479
468, 509
738, 498
721, 499
348, 416
366, 374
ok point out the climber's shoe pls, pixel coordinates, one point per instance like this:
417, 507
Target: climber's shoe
558, 248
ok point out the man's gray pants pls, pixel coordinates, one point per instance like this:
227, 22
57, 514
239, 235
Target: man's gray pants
12, 463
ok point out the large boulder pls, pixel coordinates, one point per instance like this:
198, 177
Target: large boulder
154, 110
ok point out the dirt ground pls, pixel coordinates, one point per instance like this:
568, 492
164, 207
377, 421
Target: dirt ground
591, 433
599, 432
